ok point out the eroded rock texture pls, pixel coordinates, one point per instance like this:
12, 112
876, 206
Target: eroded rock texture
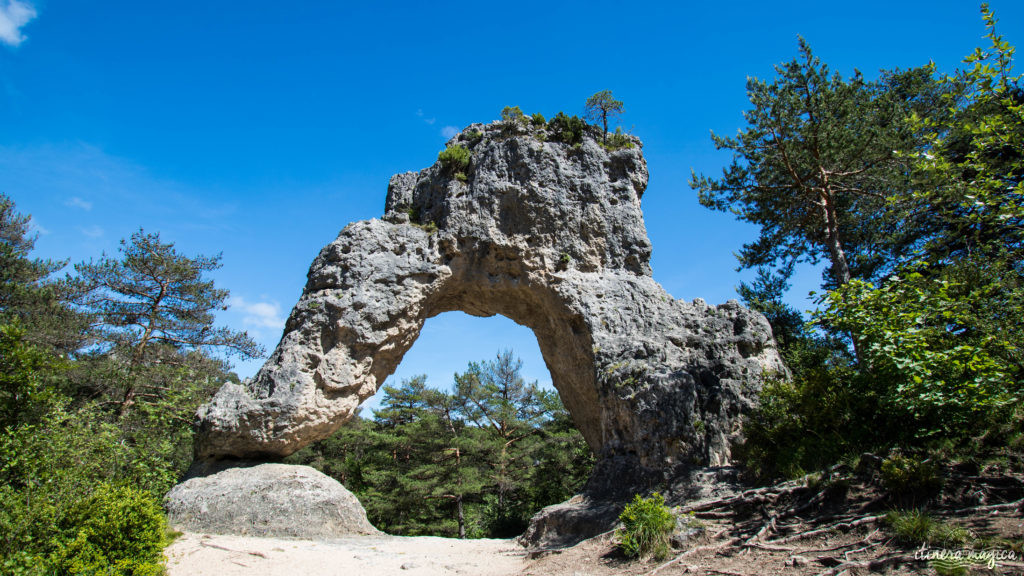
266, 500
550, 235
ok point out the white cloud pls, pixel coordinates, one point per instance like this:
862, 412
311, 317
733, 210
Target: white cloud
449, 131
77, 202
13, 15
259, 314
429, 121
91, 231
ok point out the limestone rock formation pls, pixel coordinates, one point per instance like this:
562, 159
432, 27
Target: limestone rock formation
549, 234
267, 500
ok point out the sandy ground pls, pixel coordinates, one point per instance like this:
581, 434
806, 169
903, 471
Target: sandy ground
201, 555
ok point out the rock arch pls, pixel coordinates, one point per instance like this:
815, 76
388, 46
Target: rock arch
548, 234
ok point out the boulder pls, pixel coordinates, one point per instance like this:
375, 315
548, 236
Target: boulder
276, 500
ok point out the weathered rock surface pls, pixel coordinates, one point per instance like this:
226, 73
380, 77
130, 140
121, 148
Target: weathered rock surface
267, 500
587, 515
550, 235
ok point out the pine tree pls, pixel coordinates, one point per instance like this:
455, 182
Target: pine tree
152, 308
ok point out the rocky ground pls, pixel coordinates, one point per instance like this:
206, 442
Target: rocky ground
829, 525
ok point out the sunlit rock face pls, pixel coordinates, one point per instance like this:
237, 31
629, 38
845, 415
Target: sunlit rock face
550, 235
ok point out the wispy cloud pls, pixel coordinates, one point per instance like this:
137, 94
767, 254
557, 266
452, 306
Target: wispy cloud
449, 131
429, 121
91, 231
82, 176
259, 314
76, 202
14, 14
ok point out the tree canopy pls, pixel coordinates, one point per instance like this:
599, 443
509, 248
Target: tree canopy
602, 106
818, 167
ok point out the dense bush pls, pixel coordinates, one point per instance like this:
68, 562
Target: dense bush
906, 477
116, 531
618, 140
567, 129
512, 115
455, 159
647, 524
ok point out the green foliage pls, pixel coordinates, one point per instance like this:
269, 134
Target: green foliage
617, 140
153, 315
455, 159
117, 531
512, 115
26, 393
28, 296
477, 461
414, 214
49, 473
815, 164
98, 397
812, 419
903, 476
911, 527
918, 344
918, 336
538, 120
600, 107
567, 129
915, 527
647, 524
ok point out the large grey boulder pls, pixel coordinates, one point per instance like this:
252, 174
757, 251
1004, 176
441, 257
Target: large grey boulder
550, 235
276, 500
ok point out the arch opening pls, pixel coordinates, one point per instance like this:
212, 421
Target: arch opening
500, 477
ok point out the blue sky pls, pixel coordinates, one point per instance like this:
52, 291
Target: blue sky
260, 129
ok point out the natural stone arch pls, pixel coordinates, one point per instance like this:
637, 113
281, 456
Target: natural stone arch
550, 235
363, 310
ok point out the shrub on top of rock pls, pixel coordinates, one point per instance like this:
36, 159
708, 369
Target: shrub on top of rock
512, 114
567, 129
455, 159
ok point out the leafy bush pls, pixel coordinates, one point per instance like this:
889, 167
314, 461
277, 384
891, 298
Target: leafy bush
922, 335
618, 140
646, 526
810, 421
455, 159
116, 531
567, 129
904, 476
511, 115
538, 120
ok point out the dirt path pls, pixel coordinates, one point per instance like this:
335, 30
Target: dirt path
211, 555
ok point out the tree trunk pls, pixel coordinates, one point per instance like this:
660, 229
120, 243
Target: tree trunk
462, 517
840, 268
